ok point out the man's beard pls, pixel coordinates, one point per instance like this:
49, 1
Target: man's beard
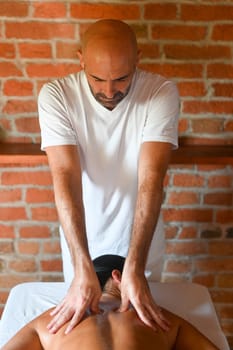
110, 103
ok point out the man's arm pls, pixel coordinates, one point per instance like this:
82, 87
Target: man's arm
85, 290
153, 162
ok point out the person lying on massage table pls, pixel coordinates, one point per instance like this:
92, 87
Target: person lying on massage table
110, 329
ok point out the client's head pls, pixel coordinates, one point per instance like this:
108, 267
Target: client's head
108, 269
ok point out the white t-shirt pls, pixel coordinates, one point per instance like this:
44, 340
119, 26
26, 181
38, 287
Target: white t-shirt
109, 144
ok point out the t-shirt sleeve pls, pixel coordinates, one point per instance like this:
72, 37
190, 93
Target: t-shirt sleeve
55, 124
163, 112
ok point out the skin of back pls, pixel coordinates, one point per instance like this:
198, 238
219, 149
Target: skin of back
110, 330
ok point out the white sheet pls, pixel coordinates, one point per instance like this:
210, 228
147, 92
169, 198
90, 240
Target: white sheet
190, 301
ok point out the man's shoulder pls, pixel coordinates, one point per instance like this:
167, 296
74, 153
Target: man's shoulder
65, 81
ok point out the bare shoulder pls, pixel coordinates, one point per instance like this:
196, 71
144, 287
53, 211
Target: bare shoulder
188, 337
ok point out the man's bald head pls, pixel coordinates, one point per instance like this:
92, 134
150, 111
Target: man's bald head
110, 33
109, 56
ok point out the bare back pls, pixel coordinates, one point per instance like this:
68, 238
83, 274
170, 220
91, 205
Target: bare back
107, 331
110, 330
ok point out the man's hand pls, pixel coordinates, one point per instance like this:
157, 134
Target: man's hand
84, 293
135, 290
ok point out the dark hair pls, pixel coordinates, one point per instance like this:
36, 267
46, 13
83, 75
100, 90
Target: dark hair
105, 264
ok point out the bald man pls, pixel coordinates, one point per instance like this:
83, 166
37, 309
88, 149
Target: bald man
108, 132
110, 329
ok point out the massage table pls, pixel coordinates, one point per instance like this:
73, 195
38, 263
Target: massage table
188, 300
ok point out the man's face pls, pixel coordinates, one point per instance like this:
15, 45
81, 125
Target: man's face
109, 92
109, 77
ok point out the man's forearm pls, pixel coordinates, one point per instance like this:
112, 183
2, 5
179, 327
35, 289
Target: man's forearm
149, 200
72, 218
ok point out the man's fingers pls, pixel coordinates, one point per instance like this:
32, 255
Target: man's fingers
157, 316
152, 316
124, 305
58, 321
74, 321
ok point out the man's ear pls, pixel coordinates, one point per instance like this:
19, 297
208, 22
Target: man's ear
116, 276
80, 56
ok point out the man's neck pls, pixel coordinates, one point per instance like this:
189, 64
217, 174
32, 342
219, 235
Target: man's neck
109, 302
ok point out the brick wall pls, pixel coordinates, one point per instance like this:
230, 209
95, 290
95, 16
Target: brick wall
189, 42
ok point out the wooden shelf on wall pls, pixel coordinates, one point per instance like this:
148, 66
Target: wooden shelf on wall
186, 154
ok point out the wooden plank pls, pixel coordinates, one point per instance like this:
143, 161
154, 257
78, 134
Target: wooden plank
189, 154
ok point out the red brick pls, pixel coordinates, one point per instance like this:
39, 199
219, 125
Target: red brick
18, 88
218, 198
178, 32
20, 106
28, 247
177, 266
174, 278
223, 32
6, 231
222, 296
44, 214
225, 280
210, 126
140, 29
51, 247
198, 107
8, 69
223, 89
3, 296
224, 216
191, 88
49, 10
191, 52
51, 265
188, 232
206, 12
26, 177
221, 248
6, 247
9, 281
186, 248
160, 11
228, 126
7, 50
34, 232
220, 181
35, 50
188, 180
226, 312
170, 231
10, 195
183, 198
205, 280
149, 50
178, 70
183, 125
214, 264
22, 266
14, 8
66, 50
13, 213
188, 215
99, 11
51, 70
34, 195
39, 30
220, 70
27, 124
